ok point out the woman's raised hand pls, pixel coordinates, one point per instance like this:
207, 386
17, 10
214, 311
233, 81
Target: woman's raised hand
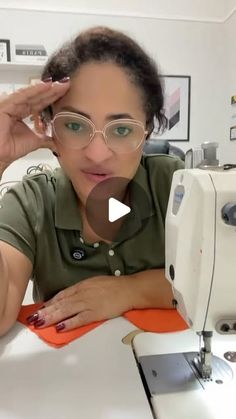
16, 138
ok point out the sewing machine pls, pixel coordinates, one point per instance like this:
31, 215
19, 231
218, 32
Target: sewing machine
182, 380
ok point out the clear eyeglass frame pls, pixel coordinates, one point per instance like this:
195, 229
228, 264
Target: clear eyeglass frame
94, 131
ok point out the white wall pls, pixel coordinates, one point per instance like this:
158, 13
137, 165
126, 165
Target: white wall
202, 50
229, 69
209, 10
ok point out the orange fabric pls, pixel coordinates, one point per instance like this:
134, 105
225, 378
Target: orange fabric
49, 334
156, 320
151, 320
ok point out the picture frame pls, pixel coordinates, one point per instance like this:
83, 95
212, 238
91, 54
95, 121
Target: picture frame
5, 53
233, 133
177, 95
233, 100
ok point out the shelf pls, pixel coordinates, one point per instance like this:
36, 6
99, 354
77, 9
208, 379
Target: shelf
20, 66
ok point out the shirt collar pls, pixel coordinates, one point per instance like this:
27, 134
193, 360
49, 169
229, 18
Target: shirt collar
67, 212
142, 180
141, 203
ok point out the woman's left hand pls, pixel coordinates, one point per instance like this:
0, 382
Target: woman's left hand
93, 299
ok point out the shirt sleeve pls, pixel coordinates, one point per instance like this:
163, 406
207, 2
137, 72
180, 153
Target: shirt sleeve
161, 169
18, 218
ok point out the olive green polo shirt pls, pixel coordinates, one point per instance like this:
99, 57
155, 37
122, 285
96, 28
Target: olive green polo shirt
40, 217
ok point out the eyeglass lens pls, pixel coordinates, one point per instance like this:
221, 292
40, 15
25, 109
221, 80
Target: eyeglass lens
76, 132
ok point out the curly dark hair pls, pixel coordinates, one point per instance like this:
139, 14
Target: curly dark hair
102, 44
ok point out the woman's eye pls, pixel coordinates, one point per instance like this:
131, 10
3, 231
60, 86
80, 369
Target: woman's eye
123, 131
74, 126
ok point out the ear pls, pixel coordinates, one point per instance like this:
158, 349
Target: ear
51, 144
54, 148
38, 122
55, 154
149, 128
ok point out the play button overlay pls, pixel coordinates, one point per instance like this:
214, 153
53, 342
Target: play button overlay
117, 208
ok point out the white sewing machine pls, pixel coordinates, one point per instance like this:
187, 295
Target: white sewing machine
185, 378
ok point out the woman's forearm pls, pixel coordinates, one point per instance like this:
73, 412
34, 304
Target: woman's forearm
3, 275
3, 167
3, 285
150, 289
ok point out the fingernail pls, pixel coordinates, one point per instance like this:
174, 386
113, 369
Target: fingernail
39, 323
60, 326
47, 80
33, 318
64, 80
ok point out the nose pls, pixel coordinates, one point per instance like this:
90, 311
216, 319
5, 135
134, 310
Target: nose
97, 150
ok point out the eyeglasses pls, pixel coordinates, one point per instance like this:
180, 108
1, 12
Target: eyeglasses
76, 131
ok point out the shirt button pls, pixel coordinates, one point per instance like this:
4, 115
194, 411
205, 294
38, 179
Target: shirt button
95, 244
117, 272
111, 252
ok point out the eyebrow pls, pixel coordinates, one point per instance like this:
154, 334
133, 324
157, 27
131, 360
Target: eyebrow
109, 117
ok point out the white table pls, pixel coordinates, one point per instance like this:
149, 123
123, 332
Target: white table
217, 402
94, 377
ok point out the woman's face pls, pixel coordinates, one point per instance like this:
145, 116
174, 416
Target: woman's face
102, 92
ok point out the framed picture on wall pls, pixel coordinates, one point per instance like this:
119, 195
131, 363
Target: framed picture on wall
5, 54
233, 118
176, 109
233, 133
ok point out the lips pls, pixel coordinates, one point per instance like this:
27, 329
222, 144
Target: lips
96, 175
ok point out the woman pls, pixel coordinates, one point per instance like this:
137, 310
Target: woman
99, 95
